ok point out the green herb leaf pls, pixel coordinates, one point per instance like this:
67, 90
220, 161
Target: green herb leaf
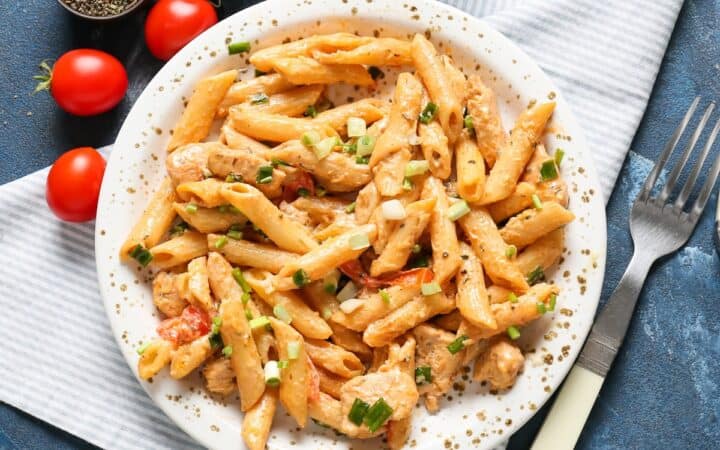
548, 170
428, 113
457, 345
264, 175
300, 278
238, 47
141, 255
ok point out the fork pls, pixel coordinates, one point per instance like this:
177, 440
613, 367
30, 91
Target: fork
659, 226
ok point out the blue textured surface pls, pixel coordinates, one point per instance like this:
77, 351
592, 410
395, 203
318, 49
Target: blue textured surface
664, 390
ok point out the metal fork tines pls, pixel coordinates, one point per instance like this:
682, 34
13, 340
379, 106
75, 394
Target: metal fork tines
658, 226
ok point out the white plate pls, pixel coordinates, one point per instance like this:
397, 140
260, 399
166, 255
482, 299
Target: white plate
470, 417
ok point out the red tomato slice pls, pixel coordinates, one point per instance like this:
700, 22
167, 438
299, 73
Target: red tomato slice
190, 325
301, 180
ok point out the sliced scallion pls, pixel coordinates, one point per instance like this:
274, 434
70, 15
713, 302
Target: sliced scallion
300, 278
259, 322
143, 348
536, 276
416, 167
384, 296
559, 155
359, 241
553, 301
221, 242
310, 111
428, 113
141, 255
457, 345
365, 145
423, 374
457, 210
541, 308
272, 373
238, 47
264, 175
259, 98
512, 298
513, 332
536, 202
430, 288
548, 170
510, 251
227, 351
356, 127
281, 313
407, 184
293, 350
357, 411
191, 208
377, 415
323, 148
235, 234
310, 138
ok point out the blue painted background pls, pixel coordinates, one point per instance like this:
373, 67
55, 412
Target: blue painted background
664, 390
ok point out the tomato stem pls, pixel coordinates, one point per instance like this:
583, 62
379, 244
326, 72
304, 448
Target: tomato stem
45, 77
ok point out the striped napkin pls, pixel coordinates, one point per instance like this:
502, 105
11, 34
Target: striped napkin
58, 360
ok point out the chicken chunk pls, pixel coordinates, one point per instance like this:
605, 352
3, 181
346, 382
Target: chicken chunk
432, 351
189, 162
166, 296
219, 377
499, 365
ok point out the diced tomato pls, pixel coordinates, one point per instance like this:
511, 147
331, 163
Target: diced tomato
190, 325
353, 269
300, 180
412, 277
313, 388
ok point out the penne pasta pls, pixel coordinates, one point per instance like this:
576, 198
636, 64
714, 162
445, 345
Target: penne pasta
489, 246
374, 307
304, 319
440, 87
304, 70
402, 120
188, 357
294, 378
154, 222
293, 102
196, 120
334, 358
409, 315
284, 232
482, 107
449, 322
519, 200
435, 149
156, 356
402, 240
240, 92
330, 383
498, 294
369, 109
204, 193
366, 202
251, 254
443, 237
350, 340
377, 52
208, 220
516, 152
199, 286
472, 298
531, 224
542, 253
390, 173
548, 190
265, 126
178, 250
456, 78
238, 141
470, 168
258, 420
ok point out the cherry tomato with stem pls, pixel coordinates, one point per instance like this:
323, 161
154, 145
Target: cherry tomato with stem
73, 184
171, 24
84, 82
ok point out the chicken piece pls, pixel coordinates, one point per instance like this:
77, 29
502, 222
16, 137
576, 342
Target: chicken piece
499, 365
166, 296
432, 351
223, 161
219, 377
395, 387
295, 214
190, 162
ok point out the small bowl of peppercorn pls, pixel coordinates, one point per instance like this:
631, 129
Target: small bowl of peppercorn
101, 10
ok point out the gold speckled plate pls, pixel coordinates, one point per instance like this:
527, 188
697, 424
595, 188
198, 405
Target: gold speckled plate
469, 417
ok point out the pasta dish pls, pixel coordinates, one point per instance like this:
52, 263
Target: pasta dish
348, 260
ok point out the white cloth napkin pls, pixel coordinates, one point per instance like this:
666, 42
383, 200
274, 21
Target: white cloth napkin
58, 359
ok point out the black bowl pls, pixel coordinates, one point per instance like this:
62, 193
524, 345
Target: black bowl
125, 12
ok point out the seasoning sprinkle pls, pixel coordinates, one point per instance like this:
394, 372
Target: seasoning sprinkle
100, 8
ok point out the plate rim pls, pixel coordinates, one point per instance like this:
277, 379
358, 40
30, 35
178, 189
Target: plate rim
569, 122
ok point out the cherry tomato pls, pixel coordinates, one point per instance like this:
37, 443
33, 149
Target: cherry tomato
86, 82
171, 24
73, 184
188, 326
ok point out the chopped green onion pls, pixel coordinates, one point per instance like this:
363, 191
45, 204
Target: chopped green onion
233, 178
347, 292
141, 255
259, 73
416, 167
245, 297
227, 351
407, 185
221, 242
330, 281
320, 191
310, 138
359, 241
330, 288
240, 279
417, 248
293, 350
235, 234
430, 288
350, 148
510, 251
272, 373
428, 113
275, 162
238, 47
282, 314
216, 323
143, 347
384, 296
548, 170
513, 332
365, 145
248, 313
191, 208
350, 208
468, 123
541, 308
423, 375
310, 111
357, 411
419, 261
356, 127
457, 210
377, 415
559, 155
283, 364
303, 192
553, 301
457, 345
300, 278
179, 228
512, 298
259, 98
375, 72
326, 146
536, 202
259, 322
362, 159
393, 210
536, 276
215, 340
264, 175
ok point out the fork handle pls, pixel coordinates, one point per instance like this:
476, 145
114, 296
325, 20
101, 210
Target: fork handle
567, 417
